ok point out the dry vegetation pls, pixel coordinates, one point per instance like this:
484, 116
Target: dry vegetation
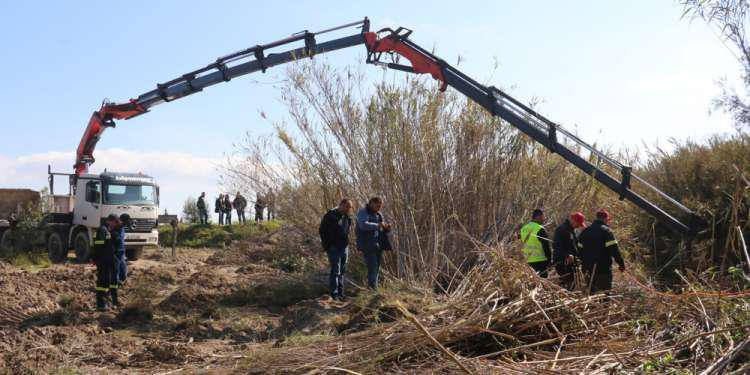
455, 180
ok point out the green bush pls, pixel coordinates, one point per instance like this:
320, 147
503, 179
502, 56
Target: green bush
197, 235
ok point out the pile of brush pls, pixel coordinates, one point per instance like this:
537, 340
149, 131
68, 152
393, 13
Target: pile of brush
500, 317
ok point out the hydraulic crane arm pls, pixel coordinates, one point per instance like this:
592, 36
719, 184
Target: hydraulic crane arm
529, 122
223, 69
493, 100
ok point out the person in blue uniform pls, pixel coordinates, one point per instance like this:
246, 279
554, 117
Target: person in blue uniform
120, 258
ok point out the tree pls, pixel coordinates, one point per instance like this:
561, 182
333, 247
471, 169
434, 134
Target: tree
730, 17
190, 211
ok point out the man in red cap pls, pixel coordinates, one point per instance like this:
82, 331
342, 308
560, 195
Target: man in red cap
565, 246
599, 247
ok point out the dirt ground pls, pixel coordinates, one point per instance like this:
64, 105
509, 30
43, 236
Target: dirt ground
201, 312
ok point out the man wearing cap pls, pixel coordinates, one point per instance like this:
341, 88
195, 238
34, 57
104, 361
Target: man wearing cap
565, 246
599, 247
104, 256
535, 240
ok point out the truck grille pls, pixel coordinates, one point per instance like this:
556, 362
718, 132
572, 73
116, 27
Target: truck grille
141, 225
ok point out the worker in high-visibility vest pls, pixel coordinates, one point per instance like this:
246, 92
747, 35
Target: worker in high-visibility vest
536, 243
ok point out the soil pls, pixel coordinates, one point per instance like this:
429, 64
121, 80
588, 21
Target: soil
201, 312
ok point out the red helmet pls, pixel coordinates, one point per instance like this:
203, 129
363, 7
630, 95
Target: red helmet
578, 218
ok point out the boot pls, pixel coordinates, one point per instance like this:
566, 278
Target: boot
113, 294
101, 301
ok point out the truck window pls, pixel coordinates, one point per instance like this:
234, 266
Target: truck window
93, 192
131, 194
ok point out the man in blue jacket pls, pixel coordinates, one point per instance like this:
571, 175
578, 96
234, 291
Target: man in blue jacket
334, 236
120, 258
371, 231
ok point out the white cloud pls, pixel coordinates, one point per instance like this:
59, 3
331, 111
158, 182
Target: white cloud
179, 174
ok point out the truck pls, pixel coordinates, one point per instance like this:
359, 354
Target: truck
75, 216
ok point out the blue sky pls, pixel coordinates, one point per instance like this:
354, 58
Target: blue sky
621, 73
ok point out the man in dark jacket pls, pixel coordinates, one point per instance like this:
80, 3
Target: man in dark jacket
202, 209
239, 204
334, 236
599, 247
535, 241
219, 208
371, 230
260, 205
227, 206
565, 249
104, 257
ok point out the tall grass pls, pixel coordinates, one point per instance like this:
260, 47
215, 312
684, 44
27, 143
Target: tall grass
713, 177
449, 171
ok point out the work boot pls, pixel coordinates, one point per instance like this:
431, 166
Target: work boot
113, 294
101, 301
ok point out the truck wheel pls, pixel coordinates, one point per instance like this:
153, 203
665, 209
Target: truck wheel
82, 247
133, 253
56, 249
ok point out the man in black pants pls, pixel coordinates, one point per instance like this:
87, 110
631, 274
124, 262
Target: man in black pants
565, 249
334, 236
105, 247
202, 209
599, 247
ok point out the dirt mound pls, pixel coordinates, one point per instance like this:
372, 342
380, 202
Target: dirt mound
38, 292
276, 292
205, 288
319, 316
253, 251
164, 352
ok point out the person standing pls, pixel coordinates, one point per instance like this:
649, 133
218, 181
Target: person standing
271, 204
370, 229
239, 204
104, 258
565, 249
121, 260
536, 247
227, 210
219, 208
599, 247
202, 209
334, 236
260, 205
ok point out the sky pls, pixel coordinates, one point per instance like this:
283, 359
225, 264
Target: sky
622, 74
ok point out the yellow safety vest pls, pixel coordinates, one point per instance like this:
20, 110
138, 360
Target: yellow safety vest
532, 247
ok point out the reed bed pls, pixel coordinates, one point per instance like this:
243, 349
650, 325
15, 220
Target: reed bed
502, 318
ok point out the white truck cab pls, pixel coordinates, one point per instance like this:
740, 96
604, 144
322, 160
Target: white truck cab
77, 215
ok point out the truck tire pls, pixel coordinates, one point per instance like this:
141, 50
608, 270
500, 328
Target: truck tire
57, 250
133, 253
82, 246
